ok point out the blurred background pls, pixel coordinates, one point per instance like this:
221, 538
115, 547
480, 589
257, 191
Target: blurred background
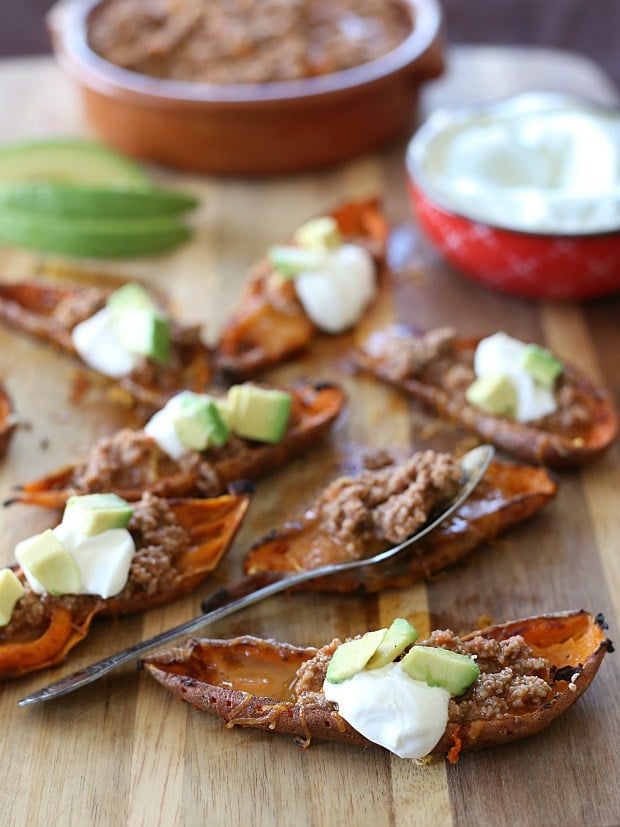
589, 27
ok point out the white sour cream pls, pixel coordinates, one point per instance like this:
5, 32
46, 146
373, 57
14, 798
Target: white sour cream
97, 343
391, 709
501, 354
162, 429
336, 296
543, 164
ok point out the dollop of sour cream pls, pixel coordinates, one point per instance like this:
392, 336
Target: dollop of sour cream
336, 295
501, 354
551, 165
96, 341
162, 429
385, 705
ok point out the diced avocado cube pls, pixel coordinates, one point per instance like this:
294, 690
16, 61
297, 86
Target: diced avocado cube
400, 635
132, 294
542, 365
93, 513
351, 657
198, 422
322, 233
291, 261
11, 590
258, 413
496, 394
46, 559
144, 332
441, 667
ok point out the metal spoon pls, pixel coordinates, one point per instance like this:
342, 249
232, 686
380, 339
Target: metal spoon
474, 464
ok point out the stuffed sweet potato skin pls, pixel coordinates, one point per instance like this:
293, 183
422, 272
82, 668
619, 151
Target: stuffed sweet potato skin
315, 407
220, 677
525, 441
211, 526
270, 324
49, 312
508, 494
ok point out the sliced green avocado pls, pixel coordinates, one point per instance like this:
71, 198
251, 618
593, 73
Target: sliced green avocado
542, 365
131, 294
291, 261
441, 667
49, 562
94, 513
11, 590
321, 233
495, 394
258, 413
90, 201
68, 159
144, 332
351, 657
198, 422
400, 635
88, 237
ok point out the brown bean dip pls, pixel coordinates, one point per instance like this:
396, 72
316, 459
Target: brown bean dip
246, 41
389, 503
512, 680
434, 359
160, 541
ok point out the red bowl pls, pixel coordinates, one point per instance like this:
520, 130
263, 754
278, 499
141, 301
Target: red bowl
529, 264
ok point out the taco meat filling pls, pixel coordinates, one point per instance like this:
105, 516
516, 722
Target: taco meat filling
387, 504
432, 358
160, 541
512, 680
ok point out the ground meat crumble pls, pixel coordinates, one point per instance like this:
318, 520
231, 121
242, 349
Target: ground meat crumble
389, 503
512, 680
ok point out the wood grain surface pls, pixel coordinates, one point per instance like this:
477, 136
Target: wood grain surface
122, 752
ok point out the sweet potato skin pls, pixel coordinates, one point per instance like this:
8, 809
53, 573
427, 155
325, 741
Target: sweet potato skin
574, 638
521, 440
7, 420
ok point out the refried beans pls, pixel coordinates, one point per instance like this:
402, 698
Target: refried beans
246, 41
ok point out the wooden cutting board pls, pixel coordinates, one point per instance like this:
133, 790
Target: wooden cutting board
122, 752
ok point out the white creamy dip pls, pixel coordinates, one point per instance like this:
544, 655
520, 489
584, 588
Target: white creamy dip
548, 165
96, 340
391, 709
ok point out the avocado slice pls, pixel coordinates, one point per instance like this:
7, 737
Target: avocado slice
90, 201
258, 413
89, 237
68, 159
321, 233
351, 657
441, 667
144, 332
131, 294
93, 513
542, 365
495, 394
11, 590
400, 635
44, 558
198, 422
291, 261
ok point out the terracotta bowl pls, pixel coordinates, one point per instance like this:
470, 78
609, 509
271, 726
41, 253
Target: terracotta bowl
250, 129
532, 264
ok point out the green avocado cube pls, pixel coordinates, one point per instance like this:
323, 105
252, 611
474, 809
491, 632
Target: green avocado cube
144, 332
11, 590
321, 233
542, 365
496, 394
258, 413
46, 559
400, 635
291, 261
351, 657
441, 667
93, 513
199, 423
132, 294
